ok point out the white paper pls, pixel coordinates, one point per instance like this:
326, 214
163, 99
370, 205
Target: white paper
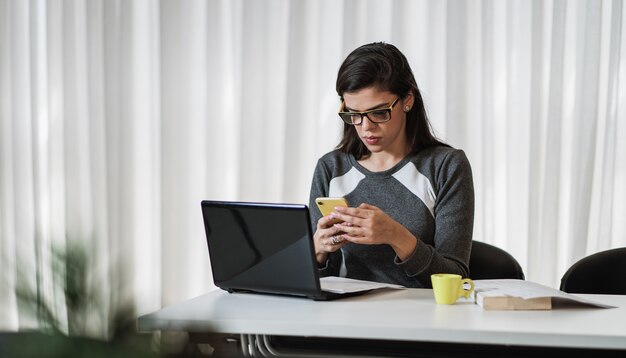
345, 285
525, 290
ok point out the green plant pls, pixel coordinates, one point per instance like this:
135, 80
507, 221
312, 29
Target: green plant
69, 331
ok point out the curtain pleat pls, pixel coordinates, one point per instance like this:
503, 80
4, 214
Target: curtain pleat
617, 107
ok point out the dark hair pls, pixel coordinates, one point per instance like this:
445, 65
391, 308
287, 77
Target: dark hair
383, 66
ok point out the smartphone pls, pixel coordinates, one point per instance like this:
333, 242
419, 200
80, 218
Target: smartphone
327, 205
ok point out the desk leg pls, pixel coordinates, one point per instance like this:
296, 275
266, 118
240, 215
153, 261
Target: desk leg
215, 345
247, 345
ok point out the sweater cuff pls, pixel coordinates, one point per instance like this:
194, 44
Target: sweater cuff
325, 267
418, 261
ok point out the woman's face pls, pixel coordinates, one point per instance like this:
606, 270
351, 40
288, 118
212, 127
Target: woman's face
388, 136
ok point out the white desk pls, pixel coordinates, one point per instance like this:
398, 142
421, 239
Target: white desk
398, 315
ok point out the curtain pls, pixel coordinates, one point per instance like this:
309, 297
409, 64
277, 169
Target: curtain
117, 117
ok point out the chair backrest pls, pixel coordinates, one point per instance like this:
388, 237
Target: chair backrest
601, 273
491, 262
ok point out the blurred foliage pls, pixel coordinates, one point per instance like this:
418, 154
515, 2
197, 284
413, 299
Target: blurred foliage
70, 333
40, 344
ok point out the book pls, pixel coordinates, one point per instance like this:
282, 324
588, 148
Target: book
503, 303
524, 295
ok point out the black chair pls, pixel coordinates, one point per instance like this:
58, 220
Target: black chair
601, 273
491, 262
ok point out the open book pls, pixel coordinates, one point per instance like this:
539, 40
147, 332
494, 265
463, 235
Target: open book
524, 295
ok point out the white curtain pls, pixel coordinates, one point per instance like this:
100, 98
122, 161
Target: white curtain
118, 117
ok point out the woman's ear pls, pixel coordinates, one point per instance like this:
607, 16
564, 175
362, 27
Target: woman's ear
408, 102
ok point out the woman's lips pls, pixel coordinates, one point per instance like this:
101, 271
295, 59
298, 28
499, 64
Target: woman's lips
371, 140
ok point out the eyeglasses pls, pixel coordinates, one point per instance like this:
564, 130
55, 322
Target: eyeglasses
378, 115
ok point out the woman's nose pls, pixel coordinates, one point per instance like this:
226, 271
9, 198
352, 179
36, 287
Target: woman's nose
366, 123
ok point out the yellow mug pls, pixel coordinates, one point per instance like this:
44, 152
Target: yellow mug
449, 287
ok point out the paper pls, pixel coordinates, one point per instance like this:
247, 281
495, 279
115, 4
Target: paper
525, 290
346, 285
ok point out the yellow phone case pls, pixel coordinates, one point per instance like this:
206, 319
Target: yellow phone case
327, 205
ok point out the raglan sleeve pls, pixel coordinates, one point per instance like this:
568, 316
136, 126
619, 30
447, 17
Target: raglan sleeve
320, 188
454, 223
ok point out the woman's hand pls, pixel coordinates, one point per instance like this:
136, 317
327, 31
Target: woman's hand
369, 225
328, 238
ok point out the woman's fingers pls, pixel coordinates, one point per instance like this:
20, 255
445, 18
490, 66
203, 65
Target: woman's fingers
335, 239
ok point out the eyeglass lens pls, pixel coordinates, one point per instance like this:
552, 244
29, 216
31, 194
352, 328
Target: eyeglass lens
377, 116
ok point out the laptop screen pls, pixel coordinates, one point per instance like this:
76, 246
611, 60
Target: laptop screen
261, 247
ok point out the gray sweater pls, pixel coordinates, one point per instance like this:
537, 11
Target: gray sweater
431, 193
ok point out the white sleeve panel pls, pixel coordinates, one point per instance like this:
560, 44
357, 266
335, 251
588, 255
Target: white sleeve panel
418, 184
345, 184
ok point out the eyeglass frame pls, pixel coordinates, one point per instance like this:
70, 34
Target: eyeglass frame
365, 113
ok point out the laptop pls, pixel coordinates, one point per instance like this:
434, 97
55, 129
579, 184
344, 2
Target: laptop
264, 248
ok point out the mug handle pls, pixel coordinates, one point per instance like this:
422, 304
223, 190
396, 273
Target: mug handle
466, 293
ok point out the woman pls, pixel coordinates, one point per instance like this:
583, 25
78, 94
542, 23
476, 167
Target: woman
411, 196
